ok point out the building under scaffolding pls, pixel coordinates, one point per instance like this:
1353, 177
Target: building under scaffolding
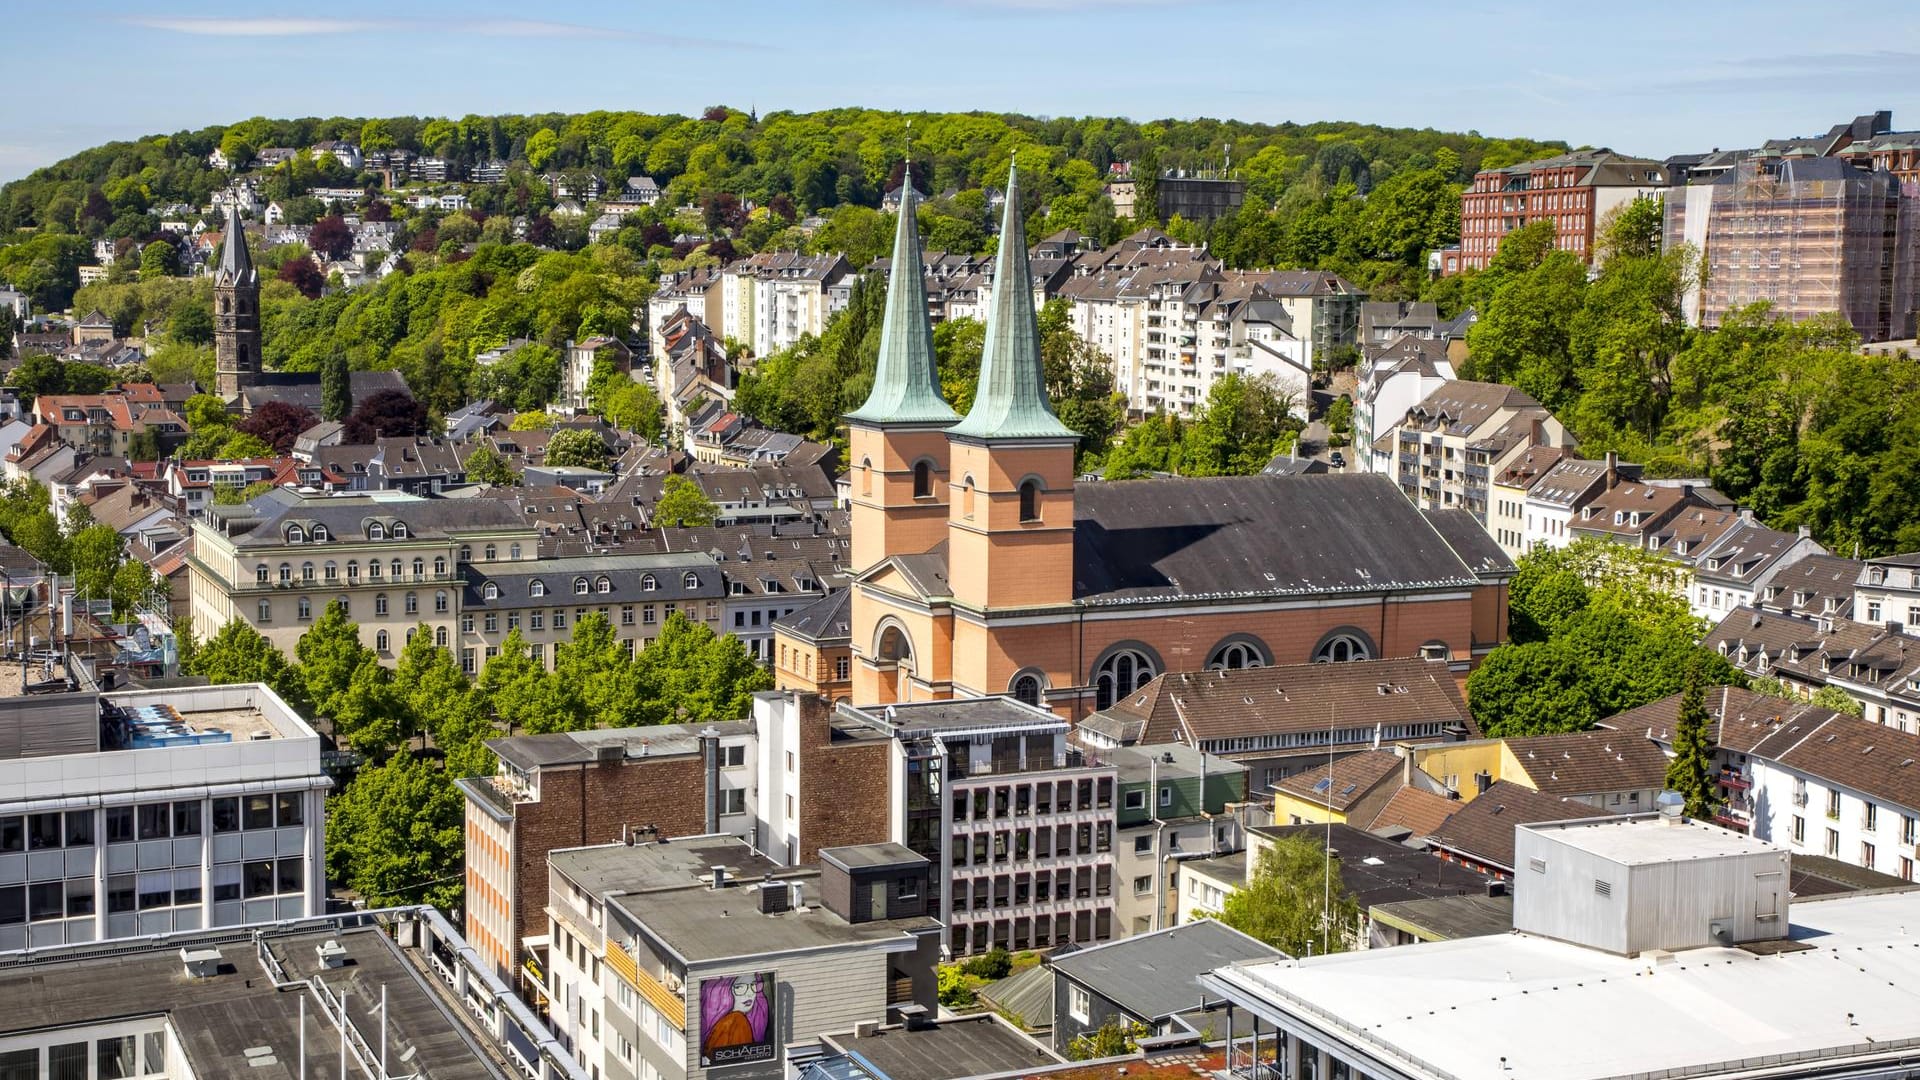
1807, 235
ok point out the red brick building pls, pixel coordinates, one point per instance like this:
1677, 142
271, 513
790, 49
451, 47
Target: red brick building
1575, 191
589, 787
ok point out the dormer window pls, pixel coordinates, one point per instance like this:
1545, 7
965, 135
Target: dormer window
1713, 564
1618, 517
1876, 575
491, 592
691, 581
537, 588
376, 531
399, 530
320, 534
579, 586
296, 535
648, 583
602, 585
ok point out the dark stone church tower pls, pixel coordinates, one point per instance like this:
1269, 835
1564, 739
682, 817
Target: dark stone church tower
236, 314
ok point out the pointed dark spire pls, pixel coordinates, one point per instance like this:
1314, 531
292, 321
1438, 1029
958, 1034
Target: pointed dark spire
906, 382
1011, 400
236, 265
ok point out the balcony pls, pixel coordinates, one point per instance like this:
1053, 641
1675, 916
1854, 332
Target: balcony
1799, 798
1734, 780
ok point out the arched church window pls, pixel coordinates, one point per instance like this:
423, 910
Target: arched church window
1341, 648
1120, 674
1030, 500
922, 480
1235, 655
1026, 688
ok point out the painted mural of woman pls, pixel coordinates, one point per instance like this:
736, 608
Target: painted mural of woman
735, 1014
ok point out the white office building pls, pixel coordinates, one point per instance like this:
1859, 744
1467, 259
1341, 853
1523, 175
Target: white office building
150, 812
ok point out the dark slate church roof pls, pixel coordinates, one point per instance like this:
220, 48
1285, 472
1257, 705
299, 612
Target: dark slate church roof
1142, 541
302, 388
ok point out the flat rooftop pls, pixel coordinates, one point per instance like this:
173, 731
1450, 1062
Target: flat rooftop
666, 890
1525, 1006
1443, 918
956, 717
224, 1021
978, 1046
584, 747
1187, 762
1641, 839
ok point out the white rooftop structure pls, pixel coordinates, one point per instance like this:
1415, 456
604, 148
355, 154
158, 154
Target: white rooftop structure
1841, 996
1643, 839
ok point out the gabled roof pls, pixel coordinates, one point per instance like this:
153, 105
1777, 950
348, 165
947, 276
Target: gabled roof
1742, 719
828, 619
1590, 762
1483, 829
1151, 976
1417, 811
1201, 706
1348, 780
1161, 540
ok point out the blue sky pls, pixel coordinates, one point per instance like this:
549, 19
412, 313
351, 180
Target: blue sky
1643, 78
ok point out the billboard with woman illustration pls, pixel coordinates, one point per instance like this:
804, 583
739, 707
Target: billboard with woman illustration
736, 1020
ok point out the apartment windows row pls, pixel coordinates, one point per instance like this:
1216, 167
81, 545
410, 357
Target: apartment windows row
1031, 932
1019, 845
1040, 887
304, 607
1022, 800
45, 901
330, 571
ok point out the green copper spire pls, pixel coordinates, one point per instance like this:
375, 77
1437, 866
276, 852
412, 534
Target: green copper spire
1011, 400
906, 382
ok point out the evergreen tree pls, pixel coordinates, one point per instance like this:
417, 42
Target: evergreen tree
336, 389
1691, 771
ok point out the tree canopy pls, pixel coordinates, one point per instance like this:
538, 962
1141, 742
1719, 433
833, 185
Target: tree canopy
1294, 900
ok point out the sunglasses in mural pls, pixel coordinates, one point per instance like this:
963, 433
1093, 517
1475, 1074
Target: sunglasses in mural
736, 1020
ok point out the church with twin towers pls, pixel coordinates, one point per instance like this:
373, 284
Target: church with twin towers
984, 565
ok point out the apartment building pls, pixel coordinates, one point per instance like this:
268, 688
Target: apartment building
1176, 802
697, 292
1507, 511
1887, 592
699, 956
1452, 443
148, 812
545, 599
393, 561
814, 647
1876, 665
1807, 235
773, 299
1733, 569
1020, 833
582, 359
588, 787
1393, 377
1575, 191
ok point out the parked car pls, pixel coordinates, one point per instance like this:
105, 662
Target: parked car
1338, 460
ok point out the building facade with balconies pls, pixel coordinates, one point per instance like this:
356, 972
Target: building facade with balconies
1450, 445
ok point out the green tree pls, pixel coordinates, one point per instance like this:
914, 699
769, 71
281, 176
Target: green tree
241, 446
1294, 901
157, 260
682, 503
1114, 1038
433, 687
690, 674
336, 390
577, 447
394, 834
486, 466
136, 587
1245, 423
634, 407
238, 654
330, 652
1832, 697
1690, 772
94, 554
521, 690
595, 683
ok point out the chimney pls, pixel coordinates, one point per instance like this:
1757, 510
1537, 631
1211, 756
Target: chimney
1613, 469
710, 758
719, 876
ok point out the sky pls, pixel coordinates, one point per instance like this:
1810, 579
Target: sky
1643, 78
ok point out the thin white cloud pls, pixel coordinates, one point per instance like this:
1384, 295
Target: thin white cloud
219, 26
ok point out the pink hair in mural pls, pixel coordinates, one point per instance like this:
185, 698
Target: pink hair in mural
736, 1019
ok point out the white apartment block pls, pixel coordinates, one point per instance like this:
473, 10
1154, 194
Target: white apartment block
149, 812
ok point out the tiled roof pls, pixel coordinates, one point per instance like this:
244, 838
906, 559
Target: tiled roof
1589, 762
1804, 587
1483, 829
1741, 718
1417, 811
1206, 705
1346, 781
